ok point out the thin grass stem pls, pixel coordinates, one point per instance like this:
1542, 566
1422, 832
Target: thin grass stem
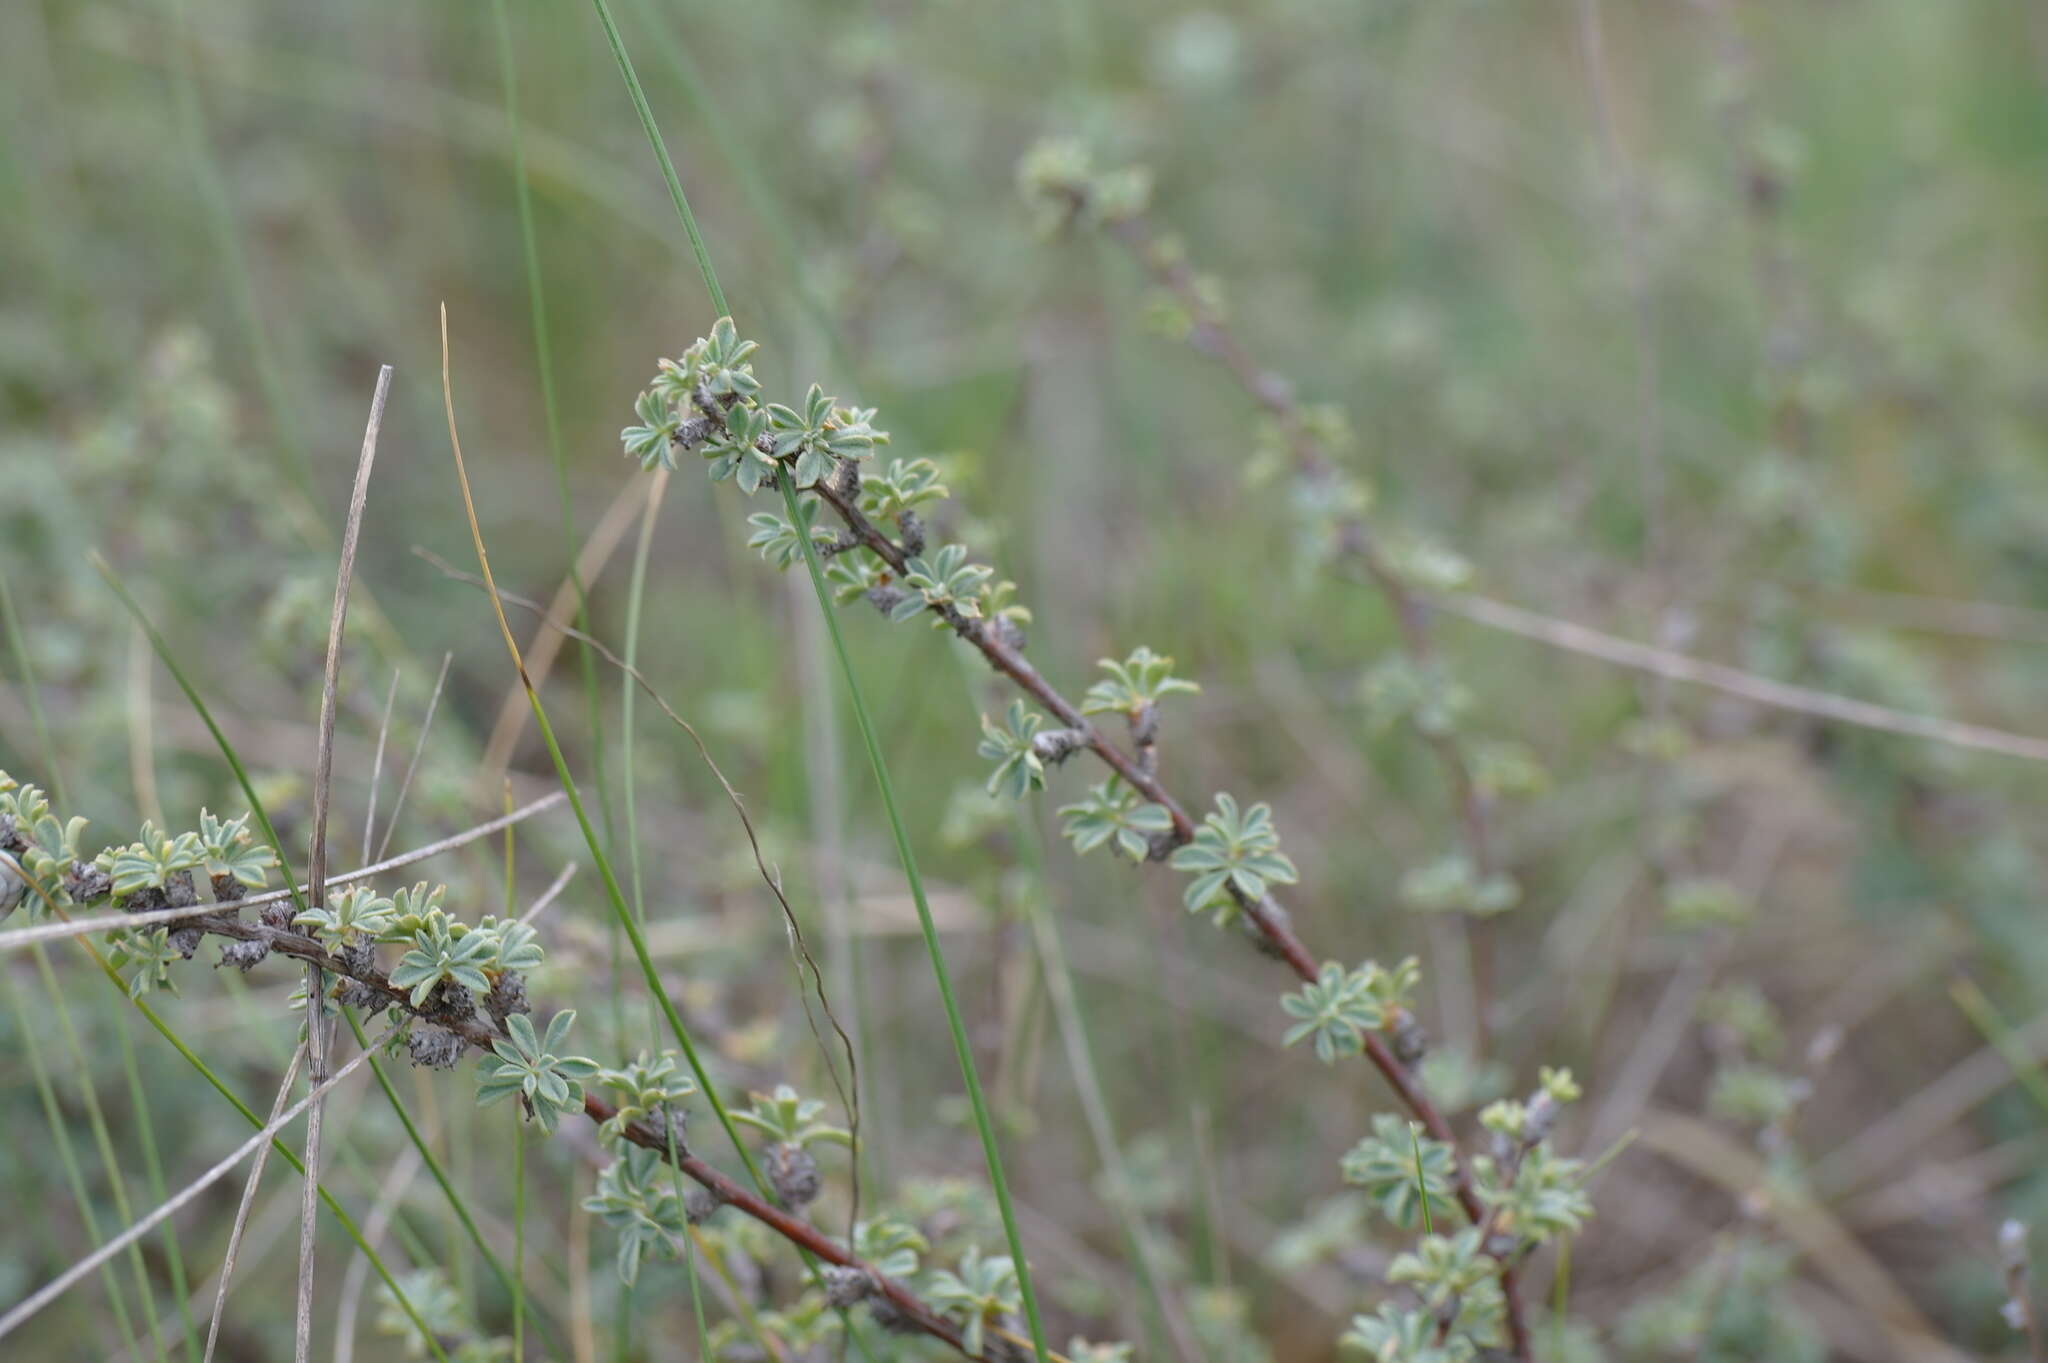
96, 1121
60, 1133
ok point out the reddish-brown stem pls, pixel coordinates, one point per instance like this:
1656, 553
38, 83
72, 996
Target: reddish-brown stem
794, 1229
1212, 337
477, 1033
1279, 935
1269, 920
1271, 924
1017, 668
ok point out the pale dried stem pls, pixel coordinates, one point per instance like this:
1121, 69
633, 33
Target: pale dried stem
227, 1265
316, 875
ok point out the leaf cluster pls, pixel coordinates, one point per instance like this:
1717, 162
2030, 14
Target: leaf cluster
532, 1066
1234, 852
1343, 1007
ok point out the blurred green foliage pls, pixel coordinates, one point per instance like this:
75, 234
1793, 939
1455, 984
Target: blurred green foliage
1744, 357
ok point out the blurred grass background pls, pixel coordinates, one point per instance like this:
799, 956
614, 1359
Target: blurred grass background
1793, 258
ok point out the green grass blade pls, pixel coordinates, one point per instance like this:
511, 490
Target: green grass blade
68, 1157
518, 1236
674, 54
617, 898
1079, 1046
1421, 1183
299, 502
668, 169
614, 893
690, 1255
1985, 1017
1560, 1296
11, 620
96, 1119
636, 595
158, 1190
622, 1325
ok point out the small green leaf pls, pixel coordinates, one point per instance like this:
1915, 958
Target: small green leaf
1139, 681
1018, 770
1233, 847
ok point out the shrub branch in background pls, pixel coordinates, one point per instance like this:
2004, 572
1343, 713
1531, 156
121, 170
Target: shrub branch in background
1331, 504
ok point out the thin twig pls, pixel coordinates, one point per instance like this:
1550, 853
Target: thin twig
377, 765
419, 746
1264, 915
546, 643
1574, 638
227, 1264
358, 1276
1930, 614
550, 894
316, 874
782, 1223
79, 927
